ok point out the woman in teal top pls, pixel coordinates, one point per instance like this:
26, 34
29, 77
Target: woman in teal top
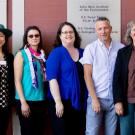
29, 81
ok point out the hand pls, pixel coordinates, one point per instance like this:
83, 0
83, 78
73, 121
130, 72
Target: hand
96, 105
59, 109
119, 108
25, 109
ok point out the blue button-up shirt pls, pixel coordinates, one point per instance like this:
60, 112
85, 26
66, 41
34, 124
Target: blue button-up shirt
102, 60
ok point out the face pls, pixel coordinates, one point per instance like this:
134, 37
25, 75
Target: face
33, 38
103, 30
67, 35
132, 34
2, 39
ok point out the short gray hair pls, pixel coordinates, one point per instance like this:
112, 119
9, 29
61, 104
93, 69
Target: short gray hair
103, 18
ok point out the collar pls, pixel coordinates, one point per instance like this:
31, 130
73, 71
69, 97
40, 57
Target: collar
102, 44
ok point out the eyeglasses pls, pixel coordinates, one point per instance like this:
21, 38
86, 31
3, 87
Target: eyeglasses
36, 36
67, 32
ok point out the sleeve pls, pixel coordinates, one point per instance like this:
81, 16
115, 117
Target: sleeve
11, 80
53, 64
117, 91
87, 55
81, 52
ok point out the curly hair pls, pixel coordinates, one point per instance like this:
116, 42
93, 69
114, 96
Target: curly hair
127, 38
58, 42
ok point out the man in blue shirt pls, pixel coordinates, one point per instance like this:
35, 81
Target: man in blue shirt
99, 60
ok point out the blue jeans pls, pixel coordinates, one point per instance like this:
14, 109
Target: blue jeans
94, 120
127, 123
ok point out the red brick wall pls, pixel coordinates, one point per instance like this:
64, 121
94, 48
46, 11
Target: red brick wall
48, 14
127, 13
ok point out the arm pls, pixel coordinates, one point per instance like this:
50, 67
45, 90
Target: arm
52, 75
54, 87
90, 86
18, 69
117, 95
10, 59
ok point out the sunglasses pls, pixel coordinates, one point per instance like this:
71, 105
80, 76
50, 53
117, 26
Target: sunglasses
36, 36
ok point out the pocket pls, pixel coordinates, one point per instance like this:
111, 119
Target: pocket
89, 100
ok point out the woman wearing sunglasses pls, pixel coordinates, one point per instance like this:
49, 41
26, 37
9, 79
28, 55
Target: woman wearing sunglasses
29, 81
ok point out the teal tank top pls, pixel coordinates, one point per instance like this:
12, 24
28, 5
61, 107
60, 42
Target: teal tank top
31, 93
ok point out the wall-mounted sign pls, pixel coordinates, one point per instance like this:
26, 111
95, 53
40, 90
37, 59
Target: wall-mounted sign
83, 13
3, 12
17, 24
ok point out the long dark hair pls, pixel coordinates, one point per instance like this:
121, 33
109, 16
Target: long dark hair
25, 42
58, 42
5, 48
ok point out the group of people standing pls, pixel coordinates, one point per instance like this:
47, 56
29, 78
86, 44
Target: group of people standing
102, 75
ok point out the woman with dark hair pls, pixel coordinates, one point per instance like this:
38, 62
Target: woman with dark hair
29, 81
124, 83
6, 79
65, 76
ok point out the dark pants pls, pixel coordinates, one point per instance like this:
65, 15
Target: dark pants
127, 122
68, 124
35, 123
4, 117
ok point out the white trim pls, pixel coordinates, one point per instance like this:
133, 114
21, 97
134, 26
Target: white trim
3, 12
17, 24
18, 30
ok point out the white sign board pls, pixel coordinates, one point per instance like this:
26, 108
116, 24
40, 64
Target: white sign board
83, 13
3, 12
17, 24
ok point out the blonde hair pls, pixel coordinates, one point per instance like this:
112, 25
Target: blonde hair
127, 38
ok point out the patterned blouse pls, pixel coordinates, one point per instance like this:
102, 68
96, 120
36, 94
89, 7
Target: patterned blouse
4, 93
